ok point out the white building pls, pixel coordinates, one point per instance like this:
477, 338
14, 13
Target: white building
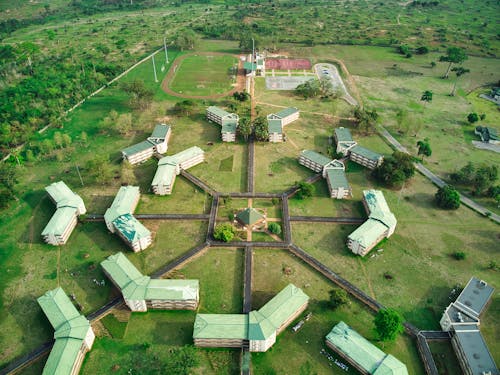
277, 121
338, 186
227, 121
142, 151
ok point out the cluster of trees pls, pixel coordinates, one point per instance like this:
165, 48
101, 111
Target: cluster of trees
447, 197
186, 40
313, 88
304, 190
424, 148
480, 178
407, 51
140, 96
121, 122
474, 117
395, 169
8, 181
406, 122
242, 96
260, 129
224, 232
367, 119
185, 107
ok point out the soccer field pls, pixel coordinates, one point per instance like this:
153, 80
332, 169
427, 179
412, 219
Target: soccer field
204, 75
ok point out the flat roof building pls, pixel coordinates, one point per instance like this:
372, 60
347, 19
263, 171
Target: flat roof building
361, 354
141, 292
142, 151
381, 224
258, 329
170, 166
119, 219
69, 206
344, 140
228, 121
461, 319
73, 334
277, 121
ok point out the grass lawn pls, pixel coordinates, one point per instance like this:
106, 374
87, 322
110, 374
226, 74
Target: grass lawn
445, 358
204, 75
302, 350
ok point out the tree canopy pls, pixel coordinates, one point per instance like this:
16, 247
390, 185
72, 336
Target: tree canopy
424, 148
447, 197
454, 55
367, 119
274, 228
338, 297
224, 232
245, 128
388, 324
305, 190
260, 129
395, 169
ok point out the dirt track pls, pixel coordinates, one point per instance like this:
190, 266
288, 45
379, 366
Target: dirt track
240, 78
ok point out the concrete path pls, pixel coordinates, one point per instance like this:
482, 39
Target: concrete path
438, 181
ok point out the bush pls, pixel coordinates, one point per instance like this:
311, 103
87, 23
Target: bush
224, 232
422, 50
472, 117
395, 169
274, 228
447, 197
459, 255
338, 297
305, 190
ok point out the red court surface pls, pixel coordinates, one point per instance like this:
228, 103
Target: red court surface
286, 64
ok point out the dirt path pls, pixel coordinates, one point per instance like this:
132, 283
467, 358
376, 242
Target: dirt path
239, 86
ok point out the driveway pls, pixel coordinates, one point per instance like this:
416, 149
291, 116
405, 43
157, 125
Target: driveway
330, 71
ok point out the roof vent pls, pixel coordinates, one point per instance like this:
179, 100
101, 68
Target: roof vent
467, 303
476, 356
482, 284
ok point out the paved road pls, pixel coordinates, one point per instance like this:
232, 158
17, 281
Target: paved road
437, 181
330, 71
325, 219
247, 287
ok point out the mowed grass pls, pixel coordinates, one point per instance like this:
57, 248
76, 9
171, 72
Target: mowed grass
204, 75
301, 350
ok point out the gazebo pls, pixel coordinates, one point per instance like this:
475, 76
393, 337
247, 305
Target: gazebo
249, 217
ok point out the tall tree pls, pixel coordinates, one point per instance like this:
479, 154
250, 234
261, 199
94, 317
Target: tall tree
454, 55
447, 197
261, 130
426, 97
459, 71
367, 119
141, 96
395, 169
402, 120
424, 148
388, 323
187, 40
245, 128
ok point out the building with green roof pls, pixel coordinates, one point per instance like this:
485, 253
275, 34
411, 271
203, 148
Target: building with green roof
73, 334
365, 157
69, 205
344, 140
314, 160
381, 224
258, 329
338, 186
170, 166
141, 292
277, 121
361, 354
156, 142
228, 121
119, 219
250, 217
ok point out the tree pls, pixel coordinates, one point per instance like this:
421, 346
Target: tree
58, 141
274, 228
185, 108
426, 97
224, 232
454, 55
472, 117
66, 140
245, 128
424, 148
186, 40
366, 118
100, 169
459, 255
309, 89
395, 169
422, 50
338, 297
242, 96
447, 197
305, 190
388, 323
459, 71
260, 129
141, 96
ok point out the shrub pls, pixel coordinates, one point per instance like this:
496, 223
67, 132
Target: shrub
447, 197
459, 255
274, 228
224, 232
338, 297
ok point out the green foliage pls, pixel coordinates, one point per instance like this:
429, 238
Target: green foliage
459, 255
260, 129
426, 96
424, 148
242, 96
423, 50
185, 107
316, 87
99, 169
181, 361
338, 297
479, 178
8, 181
388, 323
274, 228
141, 96
224, 232
472, 117
245, 128
447, 197
367, 119
395, 169
124, 123
305, 190
454, 55
187, 40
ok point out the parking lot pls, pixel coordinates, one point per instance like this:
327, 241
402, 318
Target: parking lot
331, 72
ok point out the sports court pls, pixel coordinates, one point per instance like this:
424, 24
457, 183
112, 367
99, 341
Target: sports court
285, 83
288, 64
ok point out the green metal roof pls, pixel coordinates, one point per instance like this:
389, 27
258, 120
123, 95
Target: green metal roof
343, 135
370, 358
316, 157
57, 307
160, 131
62, 357
337, 178
379, 210
283, 305
229, 126
138, 147
59, 221
249, 216
287, 112
368, 232
123, 203
63, 196
247, 65
164, 174
131, 228
186, 154
369, 154
135, 286
259, 327
218, 111
221, 326
274, 126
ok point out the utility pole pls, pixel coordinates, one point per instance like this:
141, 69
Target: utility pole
165, 47
79, 175
253, 50
154, 67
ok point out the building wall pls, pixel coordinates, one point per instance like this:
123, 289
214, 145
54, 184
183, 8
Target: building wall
136, 305
192, 162
140, 156
61, 239
461, 357
228, 137
339, 193
365, 162
310, 164
190, 304
164, 189
211, 116
275, 137
262, 345
359, 249
288, 119
291, 318
218, 343
137, 245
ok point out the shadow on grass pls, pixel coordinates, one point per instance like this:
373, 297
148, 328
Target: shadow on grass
41, 216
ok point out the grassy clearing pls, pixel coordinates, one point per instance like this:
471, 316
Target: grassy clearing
273, 208
116, 328
417, 256
204, 75
445, 358
295, 350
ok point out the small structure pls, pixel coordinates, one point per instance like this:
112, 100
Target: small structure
250, 217
142, 151
258, 329
334, 173
487, 134
255, 66
141, 292
119, 219
361, 354
461, 319
277, 121
381, 224
170, 166
73, 334
69, 207
365, 157
227, 121
344, 140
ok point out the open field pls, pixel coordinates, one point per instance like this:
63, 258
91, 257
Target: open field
204, 74
302, 350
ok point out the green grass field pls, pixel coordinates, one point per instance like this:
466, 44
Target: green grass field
204, 75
